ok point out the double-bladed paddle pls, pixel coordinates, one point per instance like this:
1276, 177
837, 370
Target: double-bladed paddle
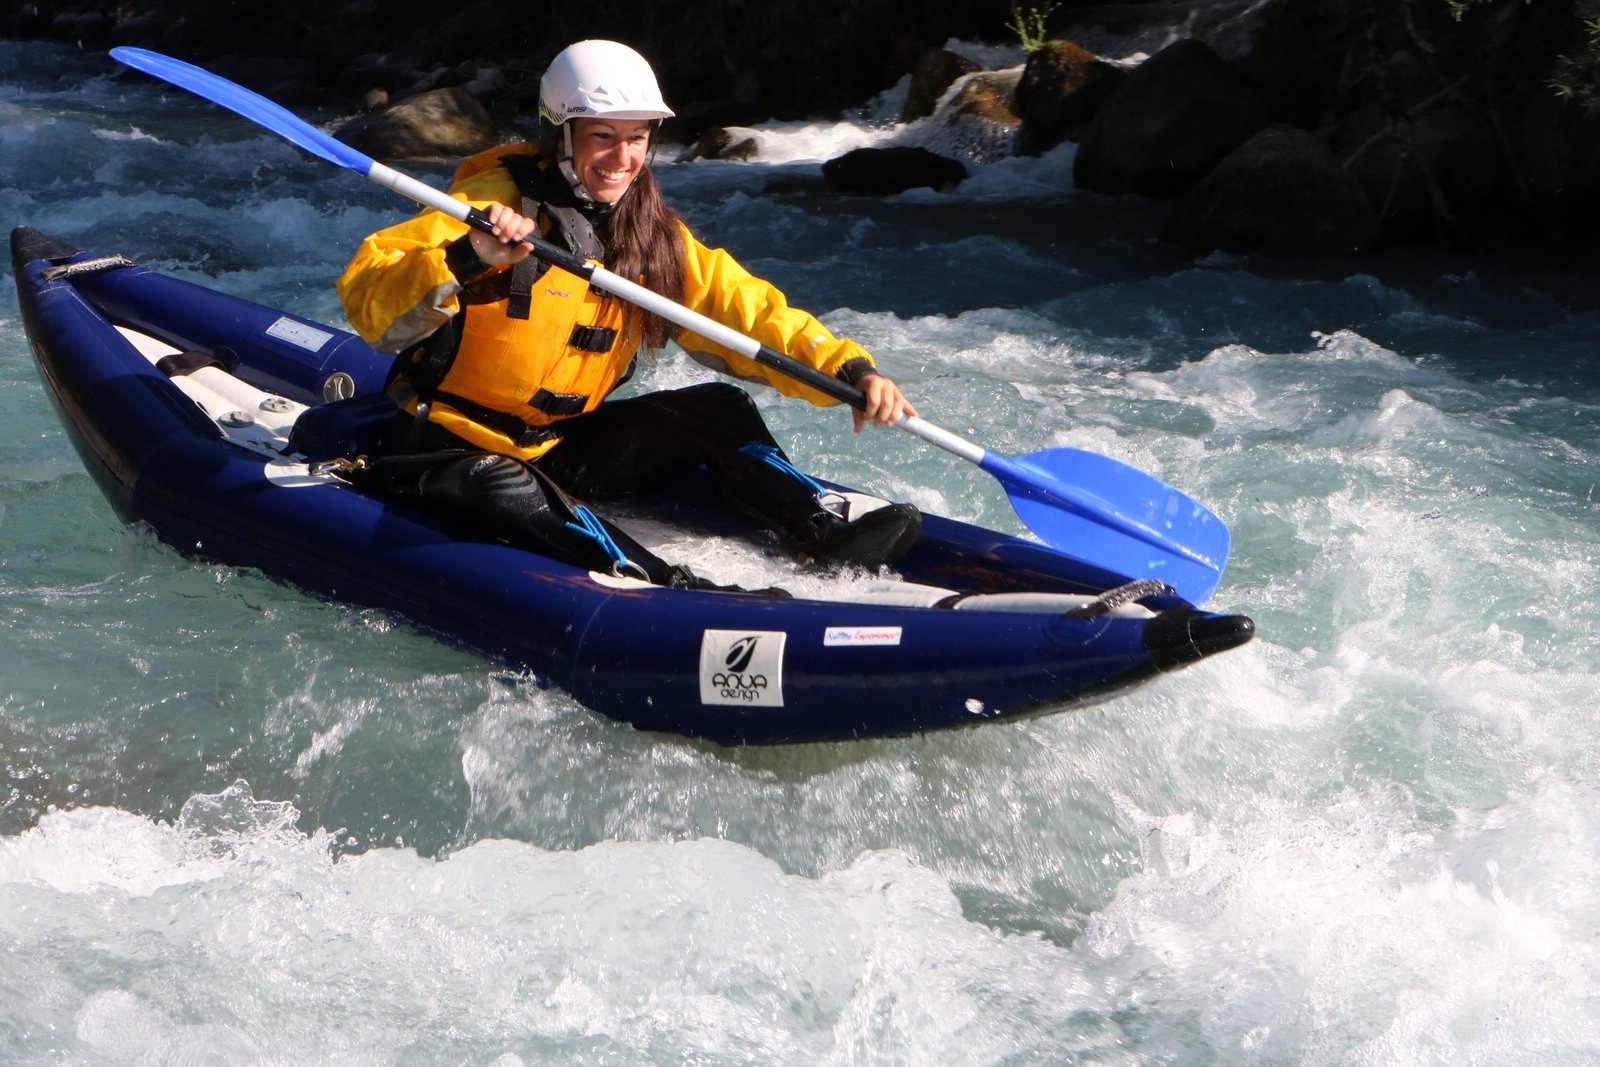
1087, 505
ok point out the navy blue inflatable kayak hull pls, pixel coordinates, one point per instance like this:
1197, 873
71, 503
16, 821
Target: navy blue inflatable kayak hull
729, 667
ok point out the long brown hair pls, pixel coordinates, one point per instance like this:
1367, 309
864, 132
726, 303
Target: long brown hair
646, 244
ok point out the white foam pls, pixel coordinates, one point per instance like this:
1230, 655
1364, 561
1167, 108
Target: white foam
371, 956
1277, 926
1366, 837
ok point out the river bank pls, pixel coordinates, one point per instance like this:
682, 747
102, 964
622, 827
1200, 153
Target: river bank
1285, 127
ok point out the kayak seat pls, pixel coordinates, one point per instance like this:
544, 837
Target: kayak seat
345, 429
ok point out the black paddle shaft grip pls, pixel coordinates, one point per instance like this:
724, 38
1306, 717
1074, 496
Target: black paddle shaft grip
809, 375
552, 254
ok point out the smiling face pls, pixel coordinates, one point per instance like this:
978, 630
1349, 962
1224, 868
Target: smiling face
608, 155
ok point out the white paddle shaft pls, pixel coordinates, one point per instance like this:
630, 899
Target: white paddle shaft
676, 313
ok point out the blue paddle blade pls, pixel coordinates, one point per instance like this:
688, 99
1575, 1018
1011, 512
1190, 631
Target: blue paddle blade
236, 98
1104, 512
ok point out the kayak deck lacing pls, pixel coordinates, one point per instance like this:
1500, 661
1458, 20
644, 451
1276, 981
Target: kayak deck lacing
1112, 599
87, 266
778, 461
589, 525
341, 465
360, 464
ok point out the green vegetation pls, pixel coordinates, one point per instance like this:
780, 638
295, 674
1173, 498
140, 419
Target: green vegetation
1575, 74
1029, 24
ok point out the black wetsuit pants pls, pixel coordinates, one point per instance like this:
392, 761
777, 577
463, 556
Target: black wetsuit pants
621, 448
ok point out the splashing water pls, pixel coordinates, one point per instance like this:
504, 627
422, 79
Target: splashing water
241, 825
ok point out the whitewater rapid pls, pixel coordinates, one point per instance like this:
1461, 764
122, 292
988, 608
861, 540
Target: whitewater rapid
239, 825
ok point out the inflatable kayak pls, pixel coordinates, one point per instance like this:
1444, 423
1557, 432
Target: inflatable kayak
222, 424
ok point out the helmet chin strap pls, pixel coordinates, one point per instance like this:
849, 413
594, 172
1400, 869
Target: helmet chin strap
568, 171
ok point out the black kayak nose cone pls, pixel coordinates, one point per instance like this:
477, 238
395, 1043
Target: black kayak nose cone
1182, 636
29, 245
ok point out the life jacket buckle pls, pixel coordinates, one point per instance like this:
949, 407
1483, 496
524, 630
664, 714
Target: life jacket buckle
592, 338
558, 405
532, 436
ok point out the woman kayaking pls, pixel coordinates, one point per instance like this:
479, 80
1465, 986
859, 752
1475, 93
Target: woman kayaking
504, 362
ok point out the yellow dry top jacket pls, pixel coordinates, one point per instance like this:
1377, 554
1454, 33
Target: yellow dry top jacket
398, 290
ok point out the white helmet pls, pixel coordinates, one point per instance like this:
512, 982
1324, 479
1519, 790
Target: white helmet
600, 79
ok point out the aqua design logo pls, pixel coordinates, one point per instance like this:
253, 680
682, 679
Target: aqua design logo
742, 667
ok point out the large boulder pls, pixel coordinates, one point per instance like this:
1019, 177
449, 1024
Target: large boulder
723, 142
990, 96
1280, 191
980, 121
1062, 86
391, 69
1297, 55
288, 81
885, 171
1172, 118
935, 72
440, 124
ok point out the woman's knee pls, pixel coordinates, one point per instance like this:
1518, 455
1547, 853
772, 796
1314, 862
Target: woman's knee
486, 474
721, 398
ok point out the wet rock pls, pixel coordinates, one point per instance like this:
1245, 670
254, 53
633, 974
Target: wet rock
885, 171
388, 68
76, 25
435, 77
488, 83
723, 142
1294, 53
1062, 86
439, 124
990, 96
1315, 64
1169, 122
935, 72
980, 122
285, 80
1280, 191
143, 31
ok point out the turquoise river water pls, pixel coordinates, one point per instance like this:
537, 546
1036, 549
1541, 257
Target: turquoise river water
239, 825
